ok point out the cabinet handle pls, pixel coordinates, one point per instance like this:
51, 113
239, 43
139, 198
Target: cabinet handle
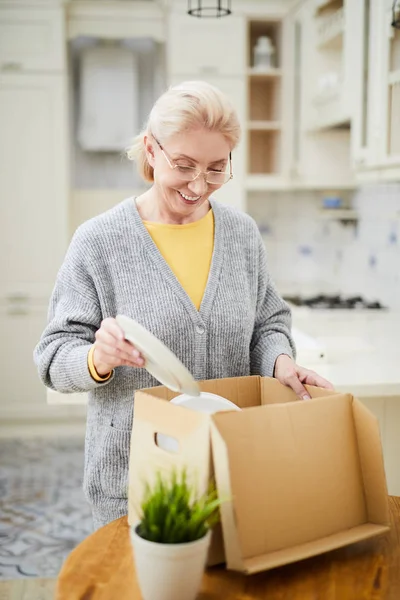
11, 66
17, 304
18, 298
17, 311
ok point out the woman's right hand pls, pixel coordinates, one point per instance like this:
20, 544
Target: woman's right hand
111, 349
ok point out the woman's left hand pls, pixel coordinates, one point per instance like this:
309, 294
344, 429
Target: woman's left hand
287, 372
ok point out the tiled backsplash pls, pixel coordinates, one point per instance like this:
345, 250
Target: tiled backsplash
311, 254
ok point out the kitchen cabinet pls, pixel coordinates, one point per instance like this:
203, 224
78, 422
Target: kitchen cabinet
376, 124
34, 188
34, 181
315, 154
389, 86
22, 393
23, 396
32, 39
344, 117
205, 47
116, 20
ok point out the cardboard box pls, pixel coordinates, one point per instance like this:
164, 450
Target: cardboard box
301, 477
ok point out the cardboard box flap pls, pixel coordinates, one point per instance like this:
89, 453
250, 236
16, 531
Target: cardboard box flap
317, 392
242, 391
273, 392
372, 466
191, 431
299, 460
166, 418
228, 522
337, 540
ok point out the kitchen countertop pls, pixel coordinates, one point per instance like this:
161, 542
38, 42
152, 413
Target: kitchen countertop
357, 350
361, 348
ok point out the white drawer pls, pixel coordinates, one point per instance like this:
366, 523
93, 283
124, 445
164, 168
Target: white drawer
32, 39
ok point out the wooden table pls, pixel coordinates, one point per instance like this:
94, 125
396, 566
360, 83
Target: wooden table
102, 568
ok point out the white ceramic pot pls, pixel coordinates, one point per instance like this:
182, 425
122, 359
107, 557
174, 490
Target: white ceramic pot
169, 571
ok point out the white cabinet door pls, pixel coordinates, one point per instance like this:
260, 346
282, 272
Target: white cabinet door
233, 192
202, 47
33, 181
389, 83
32, 39
22, 394
313, 157
366, 129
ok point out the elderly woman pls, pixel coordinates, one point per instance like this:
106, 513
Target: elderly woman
190, 270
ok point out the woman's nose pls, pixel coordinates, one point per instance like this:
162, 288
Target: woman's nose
199, 185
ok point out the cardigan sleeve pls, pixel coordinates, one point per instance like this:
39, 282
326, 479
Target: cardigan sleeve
73, 318
272, 327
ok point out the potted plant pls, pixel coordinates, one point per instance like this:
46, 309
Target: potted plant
172, 538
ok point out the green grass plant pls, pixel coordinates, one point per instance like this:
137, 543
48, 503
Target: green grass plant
173, 514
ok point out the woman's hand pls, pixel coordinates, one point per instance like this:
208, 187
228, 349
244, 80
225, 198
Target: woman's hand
112, 350
290, 374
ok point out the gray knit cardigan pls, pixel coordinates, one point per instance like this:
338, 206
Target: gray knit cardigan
113, 267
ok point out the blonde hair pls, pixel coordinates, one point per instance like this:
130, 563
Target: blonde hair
183, 107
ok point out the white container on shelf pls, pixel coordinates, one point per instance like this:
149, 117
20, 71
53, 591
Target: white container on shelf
263, 54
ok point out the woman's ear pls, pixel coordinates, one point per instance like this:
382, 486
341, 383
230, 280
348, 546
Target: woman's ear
149, 149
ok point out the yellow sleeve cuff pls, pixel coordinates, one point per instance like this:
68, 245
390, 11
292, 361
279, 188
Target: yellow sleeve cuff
92, 369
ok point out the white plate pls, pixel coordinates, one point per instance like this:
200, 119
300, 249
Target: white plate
159, 360
206, 402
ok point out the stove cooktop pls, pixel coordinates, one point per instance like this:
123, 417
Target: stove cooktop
334, 302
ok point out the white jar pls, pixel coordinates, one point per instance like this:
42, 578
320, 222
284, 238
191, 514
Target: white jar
263, 54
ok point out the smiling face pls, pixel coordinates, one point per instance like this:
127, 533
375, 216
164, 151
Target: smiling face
185, 201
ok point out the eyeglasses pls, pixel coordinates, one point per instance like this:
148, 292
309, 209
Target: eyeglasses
191, 173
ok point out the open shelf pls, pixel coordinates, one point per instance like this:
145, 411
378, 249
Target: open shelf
271, 29
330, 30
256, 74
323, 7
264, 152
264, 106
330, 103
339, 214
329, 112
264, 99
261, 183
264, 125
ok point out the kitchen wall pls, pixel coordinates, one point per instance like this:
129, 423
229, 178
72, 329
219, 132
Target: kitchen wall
311, 254
110, 170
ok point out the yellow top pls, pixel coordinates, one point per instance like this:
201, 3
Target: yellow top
188, 251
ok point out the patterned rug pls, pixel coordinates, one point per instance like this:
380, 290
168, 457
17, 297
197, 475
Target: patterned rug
43, 513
